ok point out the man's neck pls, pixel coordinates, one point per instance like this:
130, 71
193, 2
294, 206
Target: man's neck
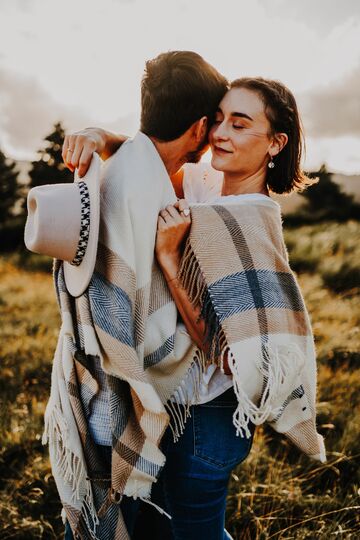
172, 154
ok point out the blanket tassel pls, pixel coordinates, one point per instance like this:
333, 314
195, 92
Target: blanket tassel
70, 466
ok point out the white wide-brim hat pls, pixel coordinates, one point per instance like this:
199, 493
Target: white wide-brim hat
63, 222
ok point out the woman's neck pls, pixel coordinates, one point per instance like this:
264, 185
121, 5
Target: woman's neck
235, 184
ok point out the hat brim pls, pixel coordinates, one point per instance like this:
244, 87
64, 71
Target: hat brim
77, 278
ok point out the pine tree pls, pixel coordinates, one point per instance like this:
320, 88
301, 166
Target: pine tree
326, 200
9, 187
50, 169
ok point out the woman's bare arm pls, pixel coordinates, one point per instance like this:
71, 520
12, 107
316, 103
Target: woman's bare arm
173, 228
195, 325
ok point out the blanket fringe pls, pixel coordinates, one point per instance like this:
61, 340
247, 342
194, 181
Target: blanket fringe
275, 365
72, 468
158, 508
178, 406
191, 278
215, 337
190, 275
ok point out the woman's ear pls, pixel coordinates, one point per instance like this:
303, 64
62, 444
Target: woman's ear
278, 142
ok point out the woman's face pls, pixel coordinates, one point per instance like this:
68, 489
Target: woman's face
239, 138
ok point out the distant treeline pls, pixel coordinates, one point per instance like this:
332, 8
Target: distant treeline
324, 200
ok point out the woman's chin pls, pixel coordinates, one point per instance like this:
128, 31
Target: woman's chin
217, 163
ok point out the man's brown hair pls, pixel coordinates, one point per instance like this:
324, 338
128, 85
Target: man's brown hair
177, 89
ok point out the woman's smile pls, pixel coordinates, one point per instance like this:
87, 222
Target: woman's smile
221, 151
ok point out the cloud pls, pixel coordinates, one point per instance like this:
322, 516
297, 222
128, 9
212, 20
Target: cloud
321, 15
87, 70
340, 154
27, 114
334, 110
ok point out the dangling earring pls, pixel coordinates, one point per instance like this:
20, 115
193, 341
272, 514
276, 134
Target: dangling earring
271, 163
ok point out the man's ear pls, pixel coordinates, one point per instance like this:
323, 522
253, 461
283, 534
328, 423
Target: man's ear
200, 128
277, 144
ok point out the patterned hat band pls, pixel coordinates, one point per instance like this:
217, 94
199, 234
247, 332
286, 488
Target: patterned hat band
85, 224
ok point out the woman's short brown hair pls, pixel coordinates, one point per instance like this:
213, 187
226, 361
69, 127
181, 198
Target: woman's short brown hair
282, 112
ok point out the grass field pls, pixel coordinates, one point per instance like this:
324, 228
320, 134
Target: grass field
276, 493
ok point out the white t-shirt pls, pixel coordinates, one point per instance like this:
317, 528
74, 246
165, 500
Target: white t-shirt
202, 184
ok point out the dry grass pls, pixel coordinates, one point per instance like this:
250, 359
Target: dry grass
29, 506
276, 493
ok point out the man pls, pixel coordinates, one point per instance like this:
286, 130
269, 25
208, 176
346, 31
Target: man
180, 93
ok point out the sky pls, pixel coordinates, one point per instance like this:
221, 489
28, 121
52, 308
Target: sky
81, 62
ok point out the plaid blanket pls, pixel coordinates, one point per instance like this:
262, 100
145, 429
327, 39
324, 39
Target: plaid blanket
128, 320
236, 267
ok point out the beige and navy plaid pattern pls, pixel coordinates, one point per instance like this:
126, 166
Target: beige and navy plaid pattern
236, 266
127, 320
98, 410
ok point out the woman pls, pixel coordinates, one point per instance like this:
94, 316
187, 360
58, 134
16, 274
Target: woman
256, 147
256, 142
253, 124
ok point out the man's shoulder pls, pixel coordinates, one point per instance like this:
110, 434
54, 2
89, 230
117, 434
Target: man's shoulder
136, 152
135, 168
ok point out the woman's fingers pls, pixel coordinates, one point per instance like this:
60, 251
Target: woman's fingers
164, 214
171, 215
77, 151
84, 147
67, 152
65, 147
174, 213
183, 207
161, 223
75, 155
84, 160
172, 230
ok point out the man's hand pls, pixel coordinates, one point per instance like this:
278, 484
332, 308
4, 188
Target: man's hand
79, 147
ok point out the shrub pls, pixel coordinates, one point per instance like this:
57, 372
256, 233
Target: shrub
344, 278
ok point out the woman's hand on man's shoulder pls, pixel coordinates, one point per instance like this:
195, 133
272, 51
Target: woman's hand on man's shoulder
79, 147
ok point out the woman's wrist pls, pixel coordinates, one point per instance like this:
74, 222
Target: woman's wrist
169, 265
111, 143
108, 144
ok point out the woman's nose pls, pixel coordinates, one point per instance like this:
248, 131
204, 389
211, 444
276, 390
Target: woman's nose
220, 131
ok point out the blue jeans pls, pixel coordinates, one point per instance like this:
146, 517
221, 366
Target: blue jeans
193, 484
